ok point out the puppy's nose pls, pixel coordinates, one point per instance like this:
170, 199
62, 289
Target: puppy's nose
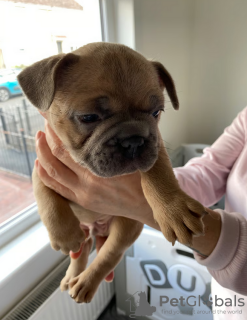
132, 146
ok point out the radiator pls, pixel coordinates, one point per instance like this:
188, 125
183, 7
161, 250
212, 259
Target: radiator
47, 302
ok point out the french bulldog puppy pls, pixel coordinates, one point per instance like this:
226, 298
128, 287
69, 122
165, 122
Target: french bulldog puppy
104, 102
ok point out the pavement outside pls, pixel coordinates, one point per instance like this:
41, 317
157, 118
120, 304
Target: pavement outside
16, 193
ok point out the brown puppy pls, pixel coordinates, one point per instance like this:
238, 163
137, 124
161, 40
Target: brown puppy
104, 103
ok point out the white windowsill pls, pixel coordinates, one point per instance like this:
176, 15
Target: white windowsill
23, 263
21, 249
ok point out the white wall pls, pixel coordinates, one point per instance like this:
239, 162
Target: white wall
163, 31
203, 43
218, 78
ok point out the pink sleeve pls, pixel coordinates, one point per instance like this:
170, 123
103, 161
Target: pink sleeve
228, 262
204, 178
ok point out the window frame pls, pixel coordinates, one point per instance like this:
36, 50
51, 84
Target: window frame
18, 224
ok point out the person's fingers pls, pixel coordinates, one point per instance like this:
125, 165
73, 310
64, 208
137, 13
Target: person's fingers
57, 148
76, 255
53, 184
110, 277
54, 168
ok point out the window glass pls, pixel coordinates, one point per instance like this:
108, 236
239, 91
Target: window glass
32, 30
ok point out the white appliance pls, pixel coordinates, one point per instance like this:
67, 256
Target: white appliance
174, 285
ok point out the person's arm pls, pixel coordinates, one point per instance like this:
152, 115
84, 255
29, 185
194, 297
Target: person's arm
227, 263
204, 178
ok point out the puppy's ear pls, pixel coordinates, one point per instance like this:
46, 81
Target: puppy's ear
39, 81
166, 82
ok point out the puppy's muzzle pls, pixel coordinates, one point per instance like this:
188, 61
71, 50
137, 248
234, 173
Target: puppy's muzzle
132, 147
123, 147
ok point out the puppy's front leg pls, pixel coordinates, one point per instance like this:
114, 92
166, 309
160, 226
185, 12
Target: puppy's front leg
178, 215
123, 232
62, 225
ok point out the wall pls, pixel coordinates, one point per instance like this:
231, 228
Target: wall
203, 44
218, 78
163, 31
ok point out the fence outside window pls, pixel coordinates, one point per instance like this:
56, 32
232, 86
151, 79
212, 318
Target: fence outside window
18, 125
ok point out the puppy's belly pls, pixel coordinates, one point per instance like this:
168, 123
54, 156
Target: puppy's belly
97, 228
93, 223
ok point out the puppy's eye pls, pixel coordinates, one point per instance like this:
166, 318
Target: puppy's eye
156, 113
88, 118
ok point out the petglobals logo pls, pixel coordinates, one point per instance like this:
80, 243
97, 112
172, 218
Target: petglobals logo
177, 291
144, 308
198, 301
193, 301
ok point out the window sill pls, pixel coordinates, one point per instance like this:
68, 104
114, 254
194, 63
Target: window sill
18, 224
23, 263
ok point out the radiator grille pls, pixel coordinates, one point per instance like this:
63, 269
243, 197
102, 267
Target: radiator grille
46, 302
39, 295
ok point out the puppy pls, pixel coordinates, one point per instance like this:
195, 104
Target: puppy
104, 102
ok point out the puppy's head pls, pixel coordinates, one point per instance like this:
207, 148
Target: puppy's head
104, 102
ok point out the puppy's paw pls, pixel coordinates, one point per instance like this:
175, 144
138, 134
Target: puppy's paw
181, 220
64, 284
68, 240
74, 270
83, 287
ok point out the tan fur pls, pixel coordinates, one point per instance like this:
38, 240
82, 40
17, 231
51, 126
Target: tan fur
178, 215
125, 89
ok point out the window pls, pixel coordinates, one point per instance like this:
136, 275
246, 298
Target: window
31, 31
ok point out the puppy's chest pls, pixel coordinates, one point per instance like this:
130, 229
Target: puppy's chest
93, 222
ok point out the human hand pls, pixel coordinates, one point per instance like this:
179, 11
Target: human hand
118, 196
205, 244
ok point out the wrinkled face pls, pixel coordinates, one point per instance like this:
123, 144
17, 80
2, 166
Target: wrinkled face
115, 144
107, 115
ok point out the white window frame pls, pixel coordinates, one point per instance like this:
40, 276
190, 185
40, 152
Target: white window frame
118, 22
18, 224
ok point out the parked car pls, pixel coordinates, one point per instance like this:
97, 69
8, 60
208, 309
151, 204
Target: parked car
9, 85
